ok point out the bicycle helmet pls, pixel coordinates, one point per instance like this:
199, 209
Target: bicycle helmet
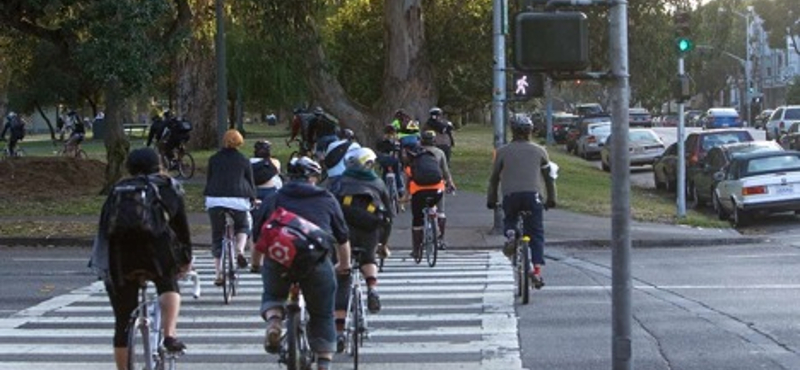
427, 137
361, 158
436, 111
318, 111
521, 123
262, 149
11, 114
303, 167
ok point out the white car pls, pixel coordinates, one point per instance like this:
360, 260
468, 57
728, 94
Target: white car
758, 183
780, 121
592, 139
644, 146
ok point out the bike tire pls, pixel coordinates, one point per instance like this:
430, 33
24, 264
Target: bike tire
142, 352
524, 269
294, 347
233, 280
227, 293
431, 241
355, 340
81, 154
186, 165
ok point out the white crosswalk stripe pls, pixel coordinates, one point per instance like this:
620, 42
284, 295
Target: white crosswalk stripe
459, 314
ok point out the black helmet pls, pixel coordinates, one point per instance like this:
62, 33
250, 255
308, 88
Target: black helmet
436, 111
520, 122
303, 167
427, 137
262, 148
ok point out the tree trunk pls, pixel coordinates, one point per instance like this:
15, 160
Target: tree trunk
196, 91
117, 144
47, 121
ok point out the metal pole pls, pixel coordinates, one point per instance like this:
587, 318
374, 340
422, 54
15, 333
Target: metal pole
747, 67
499, 97
620, 191
548, 90
222, 83
681, 181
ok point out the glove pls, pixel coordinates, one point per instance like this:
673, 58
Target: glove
551, 203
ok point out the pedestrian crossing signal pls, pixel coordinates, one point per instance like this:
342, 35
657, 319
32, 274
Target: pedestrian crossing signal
528, 85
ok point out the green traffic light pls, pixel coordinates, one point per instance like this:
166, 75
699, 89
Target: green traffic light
685, 45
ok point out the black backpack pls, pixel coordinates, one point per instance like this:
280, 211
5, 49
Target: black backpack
361, 205
136, 211
425, 168
336, 154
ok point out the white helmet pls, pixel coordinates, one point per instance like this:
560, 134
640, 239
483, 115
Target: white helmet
361, 158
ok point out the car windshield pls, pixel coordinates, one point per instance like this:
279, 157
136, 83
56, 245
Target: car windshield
724, 113
717, 139
773, 164
642, 136
601, 129
792, 114
596, 119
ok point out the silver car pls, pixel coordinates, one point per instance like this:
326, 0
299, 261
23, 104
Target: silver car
644, 146
758, 183
592, 139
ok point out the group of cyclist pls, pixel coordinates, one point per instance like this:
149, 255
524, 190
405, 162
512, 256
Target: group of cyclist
66, 123
168, 132
251, 189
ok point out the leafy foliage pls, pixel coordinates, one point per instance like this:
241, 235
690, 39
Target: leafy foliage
781, 19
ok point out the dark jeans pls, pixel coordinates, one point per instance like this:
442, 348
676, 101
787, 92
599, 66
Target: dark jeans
532, 224
319, 289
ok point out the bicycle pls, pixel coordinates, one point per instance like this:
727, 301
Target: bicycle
430, 239
18, 153
72, 151
145, 331
355, 323
229, 276
182, 162
295, 350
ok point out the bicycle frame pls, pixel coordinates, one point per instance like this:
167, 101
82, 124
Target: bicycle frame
295, 350
356, 327
430, 239
146, 320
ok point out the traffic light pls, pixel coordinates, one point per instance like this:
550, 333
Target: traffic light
683, 31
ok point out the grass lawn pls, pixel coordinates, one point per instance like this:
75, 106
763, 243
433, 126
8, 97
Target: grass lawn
582, 188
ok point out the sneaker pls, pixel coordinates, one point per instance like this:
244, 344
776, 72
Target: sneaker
172, 344
219, 281
442, 246
241, 261
272, 342
373, 301
537, 281
341, 342
509, 248
383, 251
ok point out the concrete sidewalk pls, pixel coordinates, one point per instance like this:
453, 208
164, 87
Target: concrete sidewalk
469, 226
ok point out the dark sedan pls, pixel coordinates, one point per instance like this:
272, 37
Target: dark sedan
701, 186
665, 173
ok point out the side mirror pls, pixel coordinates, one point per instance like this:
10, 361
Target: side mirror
719, 176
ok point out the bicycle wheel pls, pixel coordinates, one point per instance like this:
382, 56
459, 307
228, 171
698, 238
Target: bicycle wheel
294, 353
394, 205
143, 344
81, 154
355, 323
233, 279
226, 264
524, 271
186, 165
431, 241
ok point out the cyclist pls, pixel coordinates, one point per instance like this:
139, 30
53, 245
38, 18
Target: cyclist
443, 129
266, 176
419, 165
302, 196
229, 188
520, 166
335, 153
111, 266
76, 137
323, 129
364, 200
400, 122
157, 128
16, 128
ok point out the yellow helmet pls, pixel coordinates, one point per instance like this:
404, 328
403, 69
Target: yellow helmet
413, 125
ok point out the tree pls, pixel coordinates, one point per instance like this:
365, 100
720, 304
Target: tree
781, 20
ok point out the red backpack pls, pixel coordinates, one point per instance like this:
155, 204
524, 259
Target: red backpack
293, 241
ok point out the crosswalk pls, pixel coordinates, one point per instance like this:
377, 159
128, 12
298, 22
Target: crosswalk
458, 315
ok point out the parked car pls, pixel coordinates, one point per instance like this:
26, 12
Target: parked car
580, 127
699, 143
781, 119
588, 109
665, 169
757, 184
644, 147
669, 120
760, 121
592, 138
692, 117
721, 118
639, 117
701, 186
562, 123
791, 138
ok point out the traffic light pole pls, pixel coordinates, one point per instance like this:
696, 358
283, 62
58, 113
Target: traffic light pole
681, 181
499, 11
548, 91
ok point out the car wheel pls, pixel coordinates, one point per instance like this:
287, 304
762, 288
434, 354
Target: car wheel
721, 213
659, 185
741, 217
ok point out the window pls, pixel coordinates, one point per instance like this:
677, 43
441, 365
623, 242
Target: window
792, 113
777, 114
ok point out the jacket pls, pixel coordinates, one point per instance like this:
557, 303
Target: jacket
229, 174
